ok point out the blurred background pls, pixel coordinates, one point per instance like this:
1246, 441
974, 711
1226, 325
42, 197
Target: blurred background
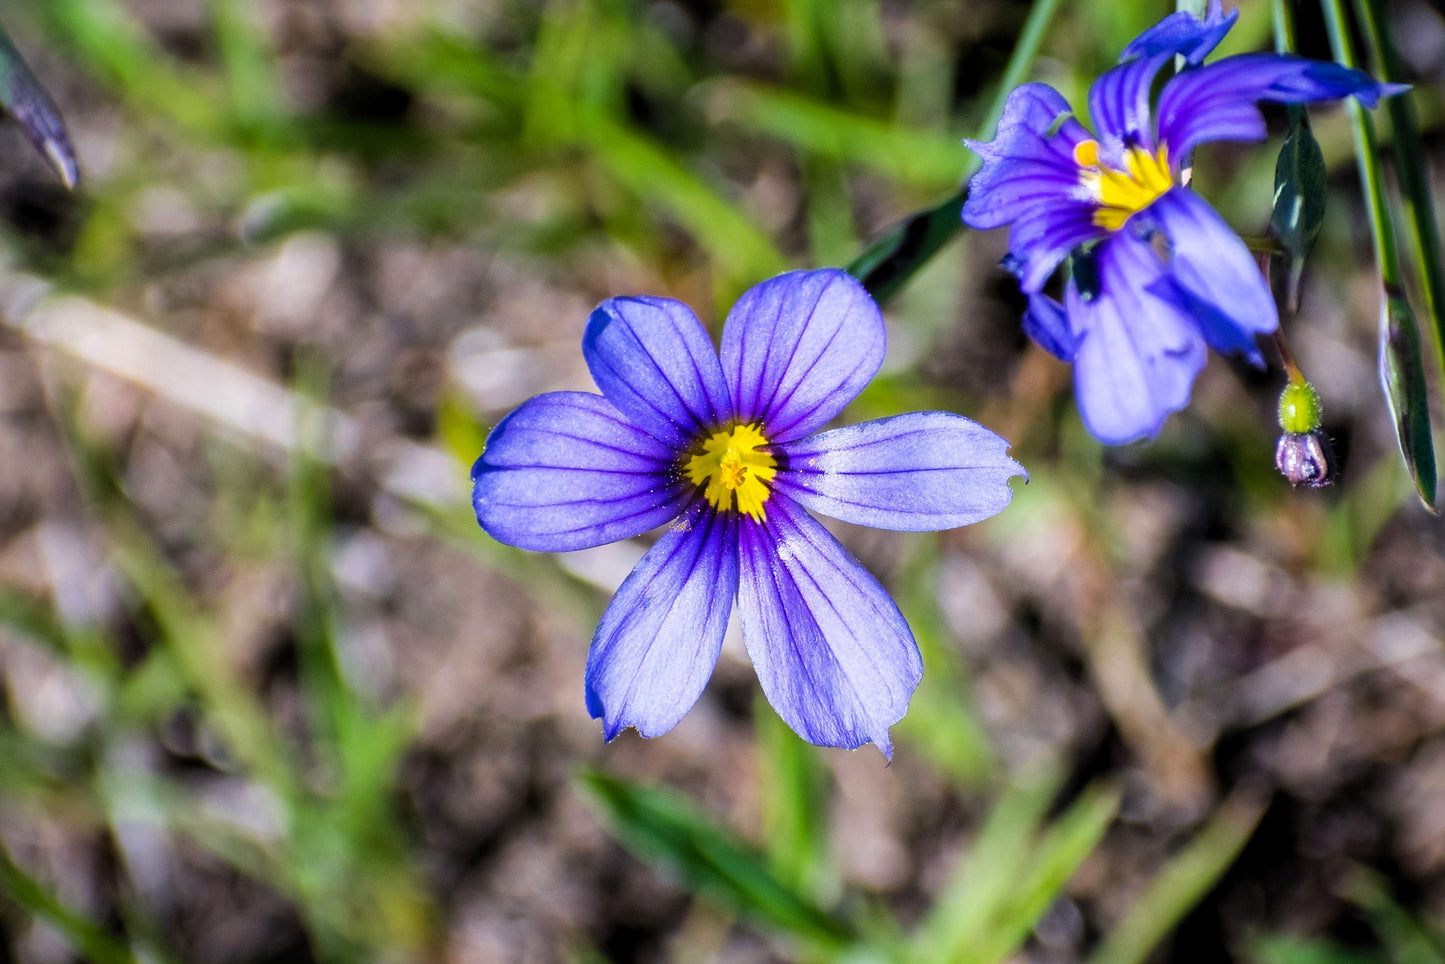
269, 694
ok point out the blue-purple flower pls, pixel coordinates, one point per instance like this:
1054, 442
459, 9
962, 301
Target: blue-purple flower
1155, 274
724, 448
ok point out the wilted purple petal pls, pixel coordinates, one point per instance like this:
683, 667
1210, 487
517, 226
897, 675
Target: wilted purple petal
567, 471
918, 472
1212, 266
1217, 101
652, 358
798, 348
1138, 352
1184, 34
658, 642
833, 653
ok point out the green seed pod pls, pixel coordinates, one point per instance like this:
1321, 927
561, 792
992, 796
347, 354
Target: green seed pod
1299, 408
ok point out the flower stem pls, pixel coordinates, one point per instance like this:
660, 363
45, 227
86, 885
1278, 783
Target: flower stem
1367, 151
892, 259
1410, 167
1402, 372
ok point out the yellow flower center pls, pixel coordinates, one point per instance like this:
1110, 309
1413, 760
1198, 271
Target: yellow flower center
732, 462
1121, 194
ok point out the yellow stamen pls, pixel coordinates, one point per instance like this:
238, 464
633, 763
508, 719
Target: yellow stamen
1122, 194
732, 462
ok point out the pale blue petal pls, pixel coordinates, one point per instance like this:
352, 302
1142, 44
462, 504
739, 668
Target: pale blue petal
659, 640
1030, 162
567, 471
1138, 352
1217, 101
1185, 34
1119, 107
833, 653
798, 348
918, 472
1211, 265
653, 359
1047, 324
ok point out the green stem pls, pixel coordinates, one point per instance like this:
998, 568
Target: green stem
1285, 40
892, 259
90, 939
1410, 168
1372, 180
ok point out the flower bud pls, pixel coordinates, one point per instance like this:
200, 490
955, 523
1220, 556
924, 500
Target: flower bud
1306, 458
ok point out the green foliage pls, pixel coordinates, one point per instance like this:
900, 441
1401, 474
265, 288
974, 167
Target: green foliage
1402, 366
664, 827
1180, 885
1300, 183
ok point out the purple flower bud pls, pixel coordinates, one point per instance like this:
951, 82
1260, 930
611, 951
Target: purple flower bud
1306, 458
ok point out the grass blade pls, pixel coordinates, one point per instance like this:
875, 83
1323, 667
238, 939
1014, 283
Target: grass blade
663, 828
92, 941
1181, 884
1402, 370
1410, 168
892, 259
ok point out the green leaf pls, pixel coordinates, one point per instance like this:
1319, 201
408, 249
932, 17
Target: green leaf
663, 828
925, 158
36, 114
87, 937
1411, 169
1300, 185
892, 259
1056, 856
1407, 940
1182, 883
1285, 949
1402, 372
793, 791
1401, 368
1012, 873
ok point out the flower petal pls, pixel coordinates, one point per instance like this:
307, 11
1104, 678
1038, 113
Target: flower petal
567, 471
798, 348
1216, 102
1030, 162
1185, 34
653, 359
1139, 352
658, 642
1209, 262
1041, 241
1047, 324
918, 472
1119, 107
832, 651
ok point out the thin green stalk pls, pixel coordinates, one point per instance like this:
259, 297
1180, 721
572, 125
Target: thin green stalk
1402, 371
892, 259
1183, 882
1410, 167
87, 937
1367, 151
1285, 39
